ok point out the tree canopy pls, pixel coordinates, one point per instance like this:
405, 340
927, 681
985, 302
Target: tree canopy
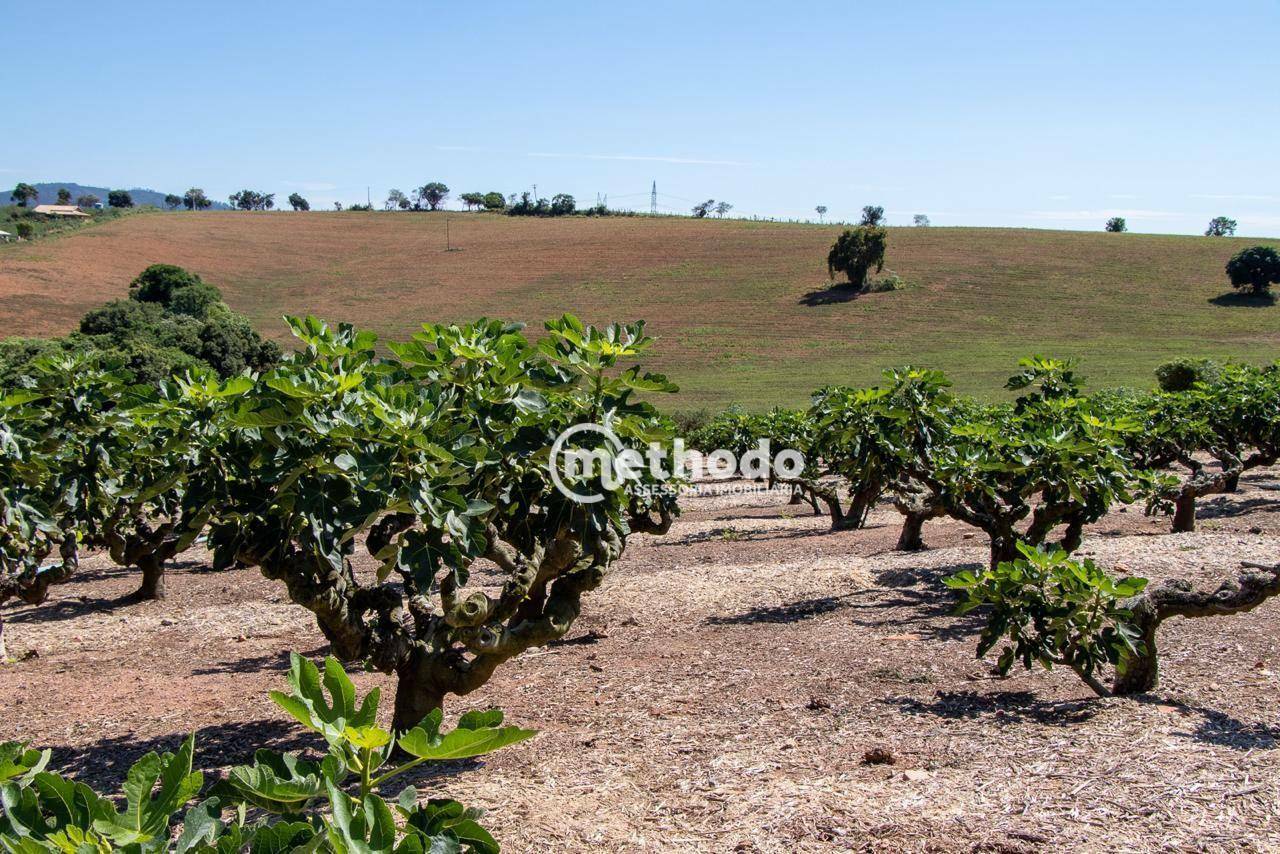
856, 251
432, 194
1255, 269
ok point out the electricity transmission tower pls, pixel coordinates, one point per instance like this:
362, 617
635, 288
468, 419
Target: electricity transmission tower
653, 199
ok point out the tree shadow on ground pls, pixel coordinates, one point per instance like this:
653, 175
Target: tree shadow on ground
104, 763
927, 614
917, 576
1114, 533
199, 567
915, 599
791, 612
732, 534
95, 573
1220, 728
1009, 705
1215, 727
277, 661
1224, 507
766, 512
586, 639
1236, 299
832, 295
59, 610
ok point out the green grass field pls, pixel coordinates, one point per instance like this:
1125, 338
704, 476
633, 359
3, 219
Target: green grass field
728, 298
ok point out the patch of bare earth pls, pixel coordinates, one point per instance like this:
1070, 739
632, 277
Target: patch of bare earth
724, 688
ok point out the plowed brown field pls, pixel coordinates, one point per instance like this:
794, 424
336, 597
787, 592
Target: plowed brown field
742, 307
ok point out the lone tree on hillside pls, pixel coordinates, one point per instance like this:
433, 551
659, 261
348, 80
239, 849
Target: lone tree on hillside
822, 212
433, 194
1220, 226
872, 215
24, 193
64, 196
1256, 268
472, 200
172, 200
920, 220
703, 208
298, 203
723, 208
494, 201
855, 252
195, 200
120, 199
1117, 224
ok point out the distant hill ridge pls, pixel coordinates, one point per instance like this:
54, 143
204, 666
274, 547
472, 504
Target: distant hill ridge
141, 196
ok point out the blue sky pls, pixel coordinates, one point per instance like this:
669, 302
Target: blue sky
1015, 114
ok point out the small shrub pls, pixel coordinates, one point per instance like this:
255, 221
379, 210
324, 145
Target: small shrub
689, 422
884, 284
1116, 225
1182, 374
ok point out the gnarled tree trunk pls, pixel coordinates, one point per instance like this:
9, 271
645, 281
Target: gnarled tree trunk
1202, 483
842, 519
917, 504
912, 537
1184, 513
1004, 547
1179, 599
152, 586
417, 692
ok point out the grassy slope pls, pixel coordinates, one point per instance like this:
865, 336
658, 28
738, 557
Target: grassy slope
726, 297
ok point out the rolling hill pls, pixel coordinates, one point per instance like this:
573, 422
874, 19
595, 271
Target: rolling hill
743, 309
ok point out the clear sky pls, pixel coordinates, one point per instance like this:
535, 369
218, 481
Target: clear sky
977, 113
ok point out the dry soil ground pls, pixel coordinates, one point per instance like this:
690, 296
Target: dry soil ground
744, 310
723, 689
